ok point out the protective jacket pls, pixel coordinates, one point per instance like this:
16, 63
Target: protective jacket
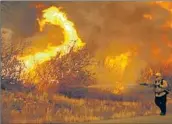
160, 87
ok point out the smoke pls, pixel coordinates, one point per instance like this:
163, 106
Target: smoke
6, 38
51, 36
6, 34
108, 28
114, 28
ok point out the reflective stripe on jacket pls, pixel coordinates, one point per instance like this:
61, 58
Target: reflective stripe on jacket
159, 87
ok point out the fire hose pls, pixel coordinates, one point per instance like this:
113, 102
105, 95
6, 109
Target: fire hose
169, 93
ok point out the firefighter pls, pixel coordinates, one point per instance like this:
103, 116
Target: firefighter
160, 88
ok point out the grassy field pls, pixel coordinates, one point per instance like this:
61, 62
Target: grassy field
36, 107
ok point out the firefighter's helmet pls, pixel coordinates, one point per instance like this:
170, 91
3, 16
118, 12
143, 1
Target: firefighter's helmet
158, 74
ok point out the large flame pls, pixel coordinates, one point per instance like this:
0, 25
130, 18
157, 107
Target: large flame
54, 16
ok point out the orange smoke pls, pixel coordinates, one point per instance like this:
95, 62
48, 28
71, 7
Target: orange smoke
118, 63
168, 24
156, 51
37, 5
167, 6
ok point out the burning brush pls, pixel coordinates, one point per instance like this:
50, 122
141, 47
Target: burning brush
53, 16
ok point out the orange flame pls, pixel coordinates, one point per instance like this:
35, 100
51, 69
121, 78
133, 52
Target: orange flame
54, 16
118, 63
119, 88
165, 5
147, 16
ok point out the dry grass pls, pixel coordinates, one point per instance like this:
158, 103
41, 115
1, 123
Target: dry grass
44, 108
